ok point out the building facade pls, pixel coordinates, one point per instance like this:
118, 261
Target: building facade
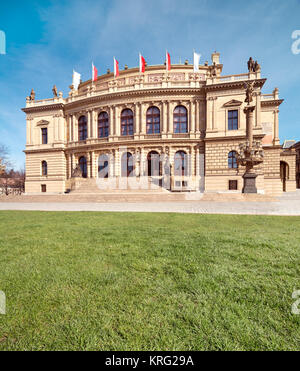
179, 130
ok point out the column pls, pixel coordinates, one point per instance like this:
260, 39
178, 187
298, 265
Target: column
111, 121
89, 124
197, 116
61, 128
276, 128
117, 122
192, 117
214, 114
28, 131
143, 119
164, 118
197, 154
209, 114
137, 128
88, 160
170, 118
258, 110
70, 165
92, 164
75, 128
73, 162
95, 123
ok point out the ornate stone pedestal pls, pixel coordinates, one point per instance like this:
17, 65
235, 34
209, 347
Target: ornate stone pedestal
249, 183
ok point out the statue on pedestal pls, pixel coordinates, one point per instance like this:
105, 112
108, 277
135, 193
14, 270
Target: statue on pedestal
77, 173
32, 95
249, 86
54, 91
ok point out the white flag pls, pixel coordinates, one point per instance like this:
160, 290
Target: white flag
76, 79
196, 61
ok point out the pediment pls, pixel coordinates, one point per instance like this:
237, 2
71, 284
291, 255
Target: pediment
43, 122
233, 103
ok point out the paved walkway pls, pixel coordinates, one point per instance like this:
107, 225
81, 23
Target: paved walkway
288, 204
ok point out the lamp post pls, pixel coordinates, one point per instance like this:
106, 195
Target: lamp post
250, 153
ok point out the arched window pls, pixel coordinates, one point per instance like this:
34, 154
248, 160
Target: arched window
44, 168
180, 163
127, 165
180, 119
154, 164
103, 125
153, 120
127, 122
83, 166
82, 128
103, 166
232, 162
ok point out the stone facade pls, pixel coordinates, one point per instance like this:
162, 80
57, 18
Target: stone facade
192, 156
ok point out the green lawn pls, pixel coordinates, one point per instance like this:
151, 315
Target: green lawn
130, 281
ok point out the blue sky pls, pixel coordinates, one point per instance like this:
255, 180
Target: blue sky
46, 39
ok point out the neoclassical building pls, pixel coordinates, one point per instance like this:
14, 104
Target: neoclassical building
179, 130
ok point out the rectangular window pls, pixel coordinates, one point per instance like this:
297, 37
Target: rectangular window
233, 185
44, 136
43, 188
233, 117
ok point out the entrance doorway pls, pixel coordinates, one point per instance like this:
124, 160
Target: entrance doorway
284, 174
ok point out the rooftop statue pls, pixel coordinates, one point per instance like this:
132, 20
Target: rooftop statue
54, 91
253, 66
32, 95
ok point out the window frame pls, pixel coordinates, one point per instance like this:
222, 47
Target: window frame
103, 125
82, 129
232, 118
152, 124
44, 167
44, 133
231, 160
126, 123
180, 123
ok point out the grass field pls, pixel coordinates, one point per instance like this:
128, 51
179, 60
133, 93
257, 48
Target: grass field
129, 281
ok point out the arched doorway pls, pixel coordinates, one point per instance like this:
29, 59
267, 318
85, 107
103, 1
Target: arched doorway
83, 166
284, 174
127, 165
154, 164
180, 164
103, 167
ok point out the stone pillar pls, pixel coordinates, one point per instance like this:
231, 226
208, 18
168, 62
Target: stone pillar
55, 128
89, 124
209, 113
70, 128
170, 118
214, 114
73, 161
88, 161
197, 117
192, 117
164, 118
28, 131
61, 128
117, 121
75, 129
70, 165
258, 110
92, 164
249, 123
111, 121
276, 127
137, 126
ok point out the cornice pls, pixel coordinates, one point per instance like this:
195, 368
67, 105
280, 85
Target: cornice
231, 138
149, 93
273, 102
49, 107
234, 84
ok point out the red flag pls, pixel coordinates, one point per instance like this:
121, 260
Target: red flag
168, 62
142, 63
116, 67
94, 73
